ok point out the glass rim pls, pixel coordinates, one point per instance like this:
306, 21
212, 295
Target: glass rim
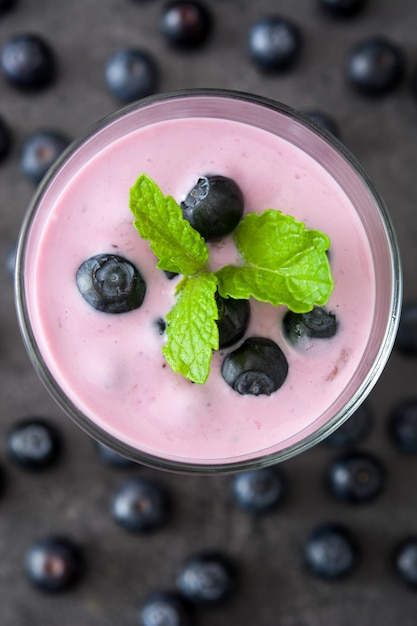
263, 458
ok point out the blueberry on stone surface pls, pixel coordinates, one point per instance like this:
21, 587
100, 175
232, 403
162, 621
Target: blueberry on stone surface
405, 560
111, 283
113, 458
2, 481
343, 8
274, 43
39, 152
140, 505
11, 262
33, 443
414, 82
131, 74
324, 120
406, 340
214, 206
5, 139
28, 62
165, 608
234, 316
375, 66
331, 552
259, 491
356, 477
319, 323
53, 564
186, 23
354, 430
256, 367
206, 578
402, 425
6, 5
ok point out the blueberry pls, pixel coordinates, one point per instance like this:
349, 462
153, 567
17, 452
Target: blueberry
160, 325
234, 316
259, 491
5, 139
343, 8
414, 82
354, 430
356, 477
110, 283
274, 43
316, 324
331, 552
113, 458
11, 262
214, 206
6, 5
170, 275
323, 120
375, 66
256, 367
39, 152
140, 505
2, 481
186, 23
207, 578
405, 560
406, 340
33, 443
403, 425
53, 563
131, 74
165, 608
28, 62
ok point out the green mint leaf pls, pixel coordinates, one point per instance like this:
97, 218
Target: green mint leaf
285, 263
192, 332
158, 219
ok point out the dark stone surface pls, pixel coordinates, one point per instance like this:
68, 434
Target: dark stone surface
73, 498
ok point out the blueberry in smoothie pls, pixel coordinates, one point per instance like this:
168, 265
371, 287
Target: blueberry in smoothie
110, 283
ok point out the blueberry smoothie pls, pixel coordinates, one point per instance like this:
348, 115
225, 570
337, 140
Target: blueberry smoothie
107, 369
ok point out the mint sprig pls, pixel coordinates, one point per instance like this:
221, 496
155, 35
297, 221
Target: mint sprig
158, 219
283, 263
192, 332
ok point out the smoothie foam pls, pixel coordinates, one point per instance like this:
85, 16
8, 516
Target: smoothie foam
111, 366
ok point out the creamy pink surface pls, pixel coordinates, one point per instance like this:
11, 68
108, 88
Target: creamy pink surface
111, 366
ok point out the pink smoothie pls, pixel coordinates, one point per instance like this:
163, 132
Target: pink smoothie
111, 366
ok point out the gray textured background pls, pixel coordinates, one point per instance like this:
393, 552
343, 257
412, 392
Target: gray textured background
74, 497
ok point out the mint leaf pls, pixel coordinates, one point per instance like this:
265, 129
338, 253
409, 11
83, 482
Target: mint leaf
159, 220
285, 263
192, 332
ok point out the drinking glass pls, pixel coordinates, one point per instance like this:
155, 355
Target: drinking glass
326, 152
